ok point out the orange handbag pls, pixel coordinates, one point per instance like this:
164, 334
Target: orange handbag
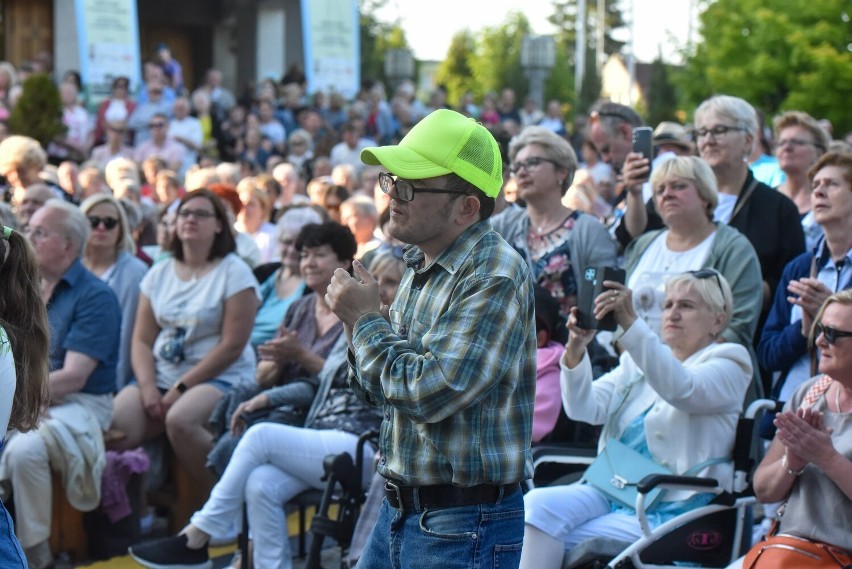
790, 552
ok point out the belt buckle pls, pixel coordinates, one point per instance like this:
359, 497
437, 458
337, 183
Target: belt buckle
393, 487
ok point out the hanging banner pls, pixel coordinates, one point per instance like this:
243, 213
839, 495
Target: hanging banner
332, 46
108, 36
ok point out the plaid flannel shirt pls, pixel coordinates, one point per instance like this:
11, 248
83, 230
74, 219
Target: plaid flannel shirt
455, 369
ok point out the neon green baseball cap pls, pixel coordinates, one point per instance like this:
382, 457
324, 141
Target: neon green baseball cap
444, 142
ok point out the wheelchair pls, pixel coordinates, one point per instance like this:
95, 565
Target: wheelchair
337, 506
711, 536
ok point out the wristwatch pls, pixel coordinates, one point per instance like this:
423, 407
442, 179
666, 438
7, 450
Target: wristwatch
180, 386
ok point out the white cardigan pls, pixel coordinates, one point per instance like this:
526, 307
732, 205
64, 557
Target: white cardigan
694, 405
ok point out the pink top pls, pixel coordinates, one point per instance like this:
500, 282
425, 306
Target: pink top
548, 399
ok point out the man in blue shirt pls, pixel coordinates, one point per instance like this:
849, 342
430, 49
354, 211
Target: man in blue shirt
85, 326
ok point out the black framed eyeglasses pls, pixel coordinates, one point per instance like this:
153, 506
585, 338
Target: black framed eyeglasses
405, 190
829, 333
710, 274
196, 213
108, 222
718, 131
530, 163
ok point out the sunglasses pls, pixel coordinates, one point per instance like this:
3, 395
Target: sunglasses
157, 125
107, 222
830, 334
405, 190
709, 274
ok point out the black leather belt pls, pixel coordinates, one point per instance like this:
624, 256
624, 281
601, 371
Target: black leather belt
444, 495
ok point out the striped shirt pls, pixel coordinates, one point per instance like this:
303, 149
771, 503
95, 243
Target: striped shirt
455, 369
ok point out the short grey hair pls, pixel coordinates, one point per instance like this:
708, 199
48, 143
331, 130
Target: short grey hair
555, 148
715, 293
292, 220
734, 109
74, 222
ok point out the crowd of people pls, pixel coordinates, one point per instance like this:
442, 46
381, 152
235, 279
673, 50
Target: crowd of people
260, 279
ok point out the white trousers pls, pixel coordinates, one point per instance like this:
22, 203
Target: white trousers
271, 464
28, 469
575, 513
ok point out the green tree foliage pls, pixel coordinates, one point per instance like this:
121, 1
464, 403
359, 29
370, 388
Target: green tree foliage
662, 99
777, 54
560, 84
38, 113
590, 91
498, 60
376, 38
564, 17
456, 71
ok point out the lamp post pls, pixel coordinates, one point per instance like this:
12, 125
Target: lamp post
399, 66
538, 56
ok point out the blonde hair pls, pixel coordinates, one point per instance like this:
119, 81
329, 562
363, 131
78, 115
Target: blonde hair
385, 261
22, 151
807, 122
125, 241
694, 169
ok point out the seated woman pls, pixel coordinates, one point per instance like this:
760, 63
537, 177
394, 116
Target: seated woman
281, 288
252, 219
809, 462
309, 328
190, 341
675, 402
110, 254
273, 462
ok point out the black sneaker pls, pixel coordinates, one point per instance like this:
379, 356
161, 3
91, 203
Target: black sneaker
170, 553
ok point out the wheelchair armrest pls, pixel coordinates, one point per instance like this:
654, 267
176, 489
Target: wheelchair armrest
565, 454
651, 481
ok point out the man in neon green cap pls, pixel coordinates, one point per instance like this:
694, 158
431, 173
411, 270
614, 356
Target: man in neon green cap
452, 362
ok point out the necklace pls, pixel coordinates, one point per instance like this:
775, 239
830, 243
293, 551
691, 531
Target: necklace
550, 227
837, 398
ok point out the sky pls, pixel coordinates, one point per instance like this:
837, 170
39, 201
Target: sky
430, 24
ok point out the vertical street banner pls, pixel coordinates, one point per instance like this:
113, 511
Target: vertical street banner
332, 46
108, 39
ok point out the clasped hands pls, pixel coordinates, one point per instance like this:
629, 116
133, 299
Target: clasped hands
352, 297
284, 348
805, 437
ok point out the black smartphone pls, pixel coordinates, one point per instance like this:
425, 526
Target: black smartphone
643, 142
590, 288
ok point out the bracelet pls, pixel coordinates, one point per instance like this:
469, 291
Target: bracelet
789, 470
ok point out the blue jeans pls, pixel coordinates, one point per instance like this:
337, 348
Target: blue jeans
11, 554
485, 536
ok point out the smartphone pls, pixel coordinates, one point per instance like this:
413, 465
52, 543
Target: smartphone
643, 142
591, 287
